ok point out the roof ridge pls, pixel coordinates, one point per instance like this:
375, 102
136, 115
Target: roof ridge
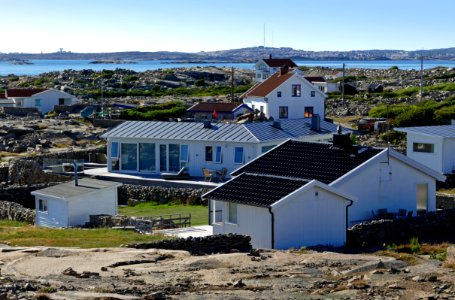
277, 176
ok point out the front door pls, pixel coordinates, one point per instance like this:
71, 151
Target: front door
422, 197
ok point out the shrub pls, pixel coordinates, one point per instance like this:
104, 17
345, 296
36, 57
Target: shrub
394, 68
199, 83
160, 112
415, 116
414, 245
393, 136
131, 78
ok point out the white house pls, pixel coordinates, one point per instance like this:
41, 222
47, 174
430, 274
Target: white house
299, 174
322, 84
286, 95
266, 67
432, 146
42, 99
153, 147
67, 204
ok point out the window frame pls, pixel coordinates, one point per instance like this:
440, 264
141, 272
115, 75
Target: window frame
282, 109
42, 205
235, 156
278, 94
312, 94
307, 113
116, 149
38, 102
184, 159
208, 153
422, 147
232, 216
218, 155
296, 90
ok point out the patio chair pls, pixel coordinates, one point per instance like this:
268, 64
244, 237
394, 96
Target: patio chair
176, 176
208, 175
221, 174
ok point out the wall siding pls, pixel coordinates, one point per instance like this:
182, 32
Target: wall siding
102, 202
56, 215
431, 160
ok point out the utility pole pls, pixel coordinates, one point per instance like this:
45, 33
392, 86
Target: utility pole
232, 84
342, 87
421, 77
102, 100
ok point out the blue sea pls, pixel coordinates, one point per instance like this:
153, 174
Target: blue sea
43, 66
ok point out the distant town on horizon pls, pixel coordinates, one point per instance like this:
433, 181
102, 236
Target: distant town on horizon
249, 54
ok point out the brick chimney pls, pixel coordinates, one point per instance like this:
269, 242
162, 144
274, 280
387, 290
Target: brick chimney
284, 70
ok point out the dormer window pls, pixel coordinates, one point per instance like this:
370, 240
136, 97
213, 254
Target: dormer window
278, 94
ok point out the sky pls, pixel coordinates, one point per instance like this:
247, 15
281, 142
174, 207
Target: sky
35, 26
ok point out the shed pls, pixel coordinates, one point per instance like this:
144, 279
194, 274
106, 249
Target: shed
68, 204
375, 88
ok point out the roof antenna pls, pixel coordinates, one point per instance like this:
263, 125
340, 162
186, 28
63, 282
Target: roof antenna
339, 129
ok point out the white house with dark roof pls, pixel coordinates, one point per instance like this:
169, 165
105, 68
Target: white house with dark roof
266, 67
153, 147
42, 99
286, 95
432, 146
305, 193
218, 110
68, 204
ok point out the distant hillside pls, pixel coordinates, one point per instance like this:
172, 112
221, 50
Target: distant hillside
244, 54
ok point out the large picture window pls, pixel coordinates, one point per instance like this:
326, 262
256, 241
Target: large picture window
238, 155
184, 156
283, 112
296, 90
163, 157
114, 150
422, 147
174, 157
147, 157
129, 157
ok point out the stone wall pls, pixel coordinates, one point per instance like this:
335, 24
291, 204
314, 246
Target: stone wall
133, 194
19, 111
445, 201
26, 172
4, 171
434, 227
16, 212
82, 154
221, 243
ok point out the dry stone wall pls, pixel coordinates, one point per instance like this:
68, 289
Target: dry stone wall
21, 194
445, 201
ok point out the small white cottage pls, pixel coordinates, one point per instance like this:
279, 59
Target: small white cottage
68, 204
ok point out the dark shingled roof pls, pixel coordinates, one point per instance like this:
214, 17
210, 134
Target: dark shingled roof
315, 79
256, 190
320, 161
280, 62
210, 107
23, 92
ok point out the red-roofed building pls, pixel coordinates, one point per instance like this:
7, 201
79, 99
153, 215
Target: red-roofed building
224, 111
2, 96
286, 95
266, 67
42, 99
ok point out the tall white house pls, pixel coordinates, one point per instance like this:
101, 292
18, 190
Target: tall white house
286, 95
432, 146
42, 99
266, 67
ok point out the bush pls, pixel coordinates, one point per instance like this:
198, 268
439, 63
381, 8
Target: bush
393, 136
414, 245
160, 112
199, 83
394, 68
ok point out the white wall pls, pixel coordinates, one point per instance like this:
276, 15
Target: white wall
448, 156
49, 99
56, 215
431, 160
102, 202
397, 190
251, 220
196, 160
307, 219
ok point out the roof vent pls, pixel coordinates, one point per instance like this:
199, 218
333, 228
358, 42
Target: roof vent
207, 124
316, 123
276, 124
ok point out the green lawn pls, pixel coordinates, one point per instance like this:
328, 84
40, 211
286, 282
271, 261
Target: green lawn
199, 213
21, 234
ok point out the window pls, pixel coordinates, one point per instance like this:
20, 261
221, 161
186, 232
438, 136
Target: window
261, 108
37, 102
232, 213
278, 94
321, 88
267, 148
308, 111
238, 155
61, 101
313, 93
114, 150
163, 157
129, 157
208, 153
42, 205
174, 157
422, 147
184, 156
218, 156
296, 90
147, 157
283, 112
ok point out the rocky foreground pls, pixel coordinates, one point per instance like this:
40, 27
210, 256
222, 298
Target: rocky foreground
121, 273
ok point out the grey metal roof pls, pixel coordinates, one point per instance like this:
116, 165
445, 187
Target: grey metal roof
221, 132
446, 131
68, 189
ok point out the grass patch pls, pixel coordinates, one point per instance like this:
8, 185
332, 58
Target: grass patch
199, 213
406, 257
28, 235
447, 191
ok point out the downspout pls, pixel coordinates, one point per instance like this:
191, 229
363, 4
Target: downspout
210, 215
347, 219
273, 227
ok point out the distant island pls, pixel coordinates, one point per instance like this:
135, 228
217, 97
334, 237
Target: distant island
239, 55
20, 62
113, 62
